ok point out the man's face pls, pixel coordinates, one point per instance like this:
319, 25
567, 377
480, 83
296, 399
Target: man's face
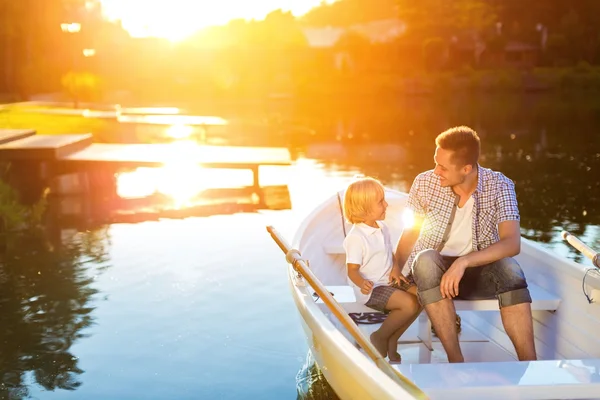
449, 173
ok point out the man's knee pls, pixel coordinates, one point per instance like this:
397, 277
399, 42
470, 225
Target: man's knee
512, 284
509, 274
427, 268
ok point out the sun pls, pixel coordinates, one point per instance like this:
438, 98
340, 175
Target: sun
178, 19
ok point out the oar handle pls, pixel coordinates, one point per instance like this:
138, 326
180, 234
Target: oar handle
294, 257
582, 247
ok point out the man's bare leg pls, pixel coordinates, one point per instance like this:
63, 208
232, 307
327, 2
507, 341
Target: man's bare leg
443, 319
518, 325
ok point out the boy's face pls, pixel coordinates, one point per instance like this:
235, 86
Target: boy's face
377, 212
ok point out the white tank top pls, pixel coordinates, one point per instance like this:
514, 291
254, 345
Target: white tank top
460, 240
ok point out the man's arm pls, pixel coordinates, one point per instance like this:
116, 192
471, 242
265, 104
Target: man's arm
509, 245
413, 219
405, 244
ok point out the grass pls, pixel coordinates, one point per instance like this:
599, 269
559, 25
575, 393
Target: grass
29, 117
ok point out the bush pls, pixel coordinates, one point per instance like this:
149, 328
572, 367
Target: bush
583, 67
14, 216
82, 86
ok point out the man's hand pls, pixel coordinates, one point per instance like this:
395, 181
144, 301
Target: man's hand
366, 287
396, 275
452, 277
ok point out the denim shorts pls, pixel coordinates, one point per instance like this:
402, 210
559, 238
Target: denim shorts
503, 279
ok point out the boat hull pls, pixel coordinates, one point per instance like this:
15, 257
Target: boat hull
349, 372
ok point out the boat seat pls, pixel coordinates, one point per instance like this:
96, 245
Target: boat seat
541, 301
548, 379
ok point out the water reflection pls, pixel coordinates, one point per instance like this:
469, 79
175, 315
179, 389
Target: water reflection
549, 147
46, 287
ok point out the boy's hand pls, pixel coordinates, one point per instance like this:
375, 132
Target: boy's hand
366, 287
396, 276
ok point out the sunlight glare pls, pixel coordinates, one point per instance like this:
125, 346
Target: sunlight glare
178, 19
182, 181
408, 218
180, 131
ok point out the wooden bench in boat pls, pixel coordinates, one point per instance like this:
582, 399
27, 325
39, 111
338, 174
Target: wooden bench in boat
541, 300
548, 379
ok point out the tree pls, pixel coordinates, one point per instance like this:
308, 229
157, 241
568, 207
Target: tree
430, 18
28, 39
344, 13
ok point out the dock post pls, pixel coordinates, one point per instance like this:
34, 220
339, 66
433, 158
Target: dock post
256, 186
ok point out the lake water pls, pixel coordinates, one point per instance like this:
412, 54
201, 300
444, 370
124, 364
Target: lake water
199, 308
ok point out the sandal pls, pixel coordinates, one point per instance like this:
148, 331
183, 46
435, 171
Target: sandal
368, 318
458, 326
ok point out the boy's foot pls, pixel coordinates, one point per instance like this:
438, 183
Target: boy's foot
379, 343
392, 351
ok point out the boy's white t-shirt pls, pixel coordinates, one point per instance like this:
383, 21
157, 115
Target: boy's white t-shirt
460, 240
371, 248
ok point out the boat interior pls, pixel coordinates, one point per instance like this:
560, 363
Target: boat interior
566, 321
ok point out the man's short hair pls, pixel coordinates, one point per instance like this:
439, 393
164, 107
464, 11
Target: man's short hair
360, 197
464, 142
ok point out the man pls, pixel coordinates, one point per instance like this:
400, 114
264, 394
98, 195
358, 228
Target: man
466, 231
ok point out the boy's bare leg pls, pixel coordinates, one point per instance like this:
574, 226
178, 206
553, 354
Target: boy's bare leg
393, 354
518, 325
443, 318
403, 306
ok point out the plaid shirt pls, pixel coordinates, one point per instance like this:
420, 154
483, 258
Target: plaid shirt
495, 202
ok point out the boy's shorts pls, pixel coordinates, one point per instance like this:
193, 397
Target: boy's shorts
381, 294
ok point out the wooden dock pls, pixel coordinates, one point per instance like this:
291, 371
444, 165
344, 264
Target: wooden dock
43, 147
77, 153
24, 145
9, 135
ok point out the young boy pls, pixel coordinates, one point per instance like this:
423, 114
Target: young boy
377, 281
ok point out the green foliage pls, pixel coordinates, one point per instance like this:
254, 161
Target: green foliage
495, 43
82, 86
14, 216
425, 18
345, 13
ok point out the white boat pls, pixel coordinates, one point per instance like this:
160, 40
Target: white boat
566, 325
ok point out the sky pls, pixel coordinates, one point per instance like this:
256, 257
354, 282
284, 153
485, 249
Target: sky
177, 19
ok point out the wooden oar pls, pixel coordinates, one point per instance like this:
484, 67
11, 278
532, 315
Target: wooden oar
293, 257
582, 247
